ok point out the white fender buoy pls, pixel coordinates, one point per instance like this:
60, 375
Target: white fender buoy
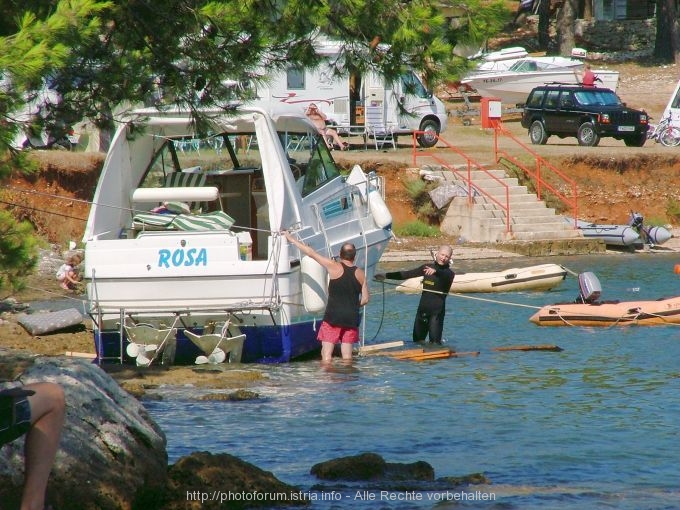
381, 214
314, 285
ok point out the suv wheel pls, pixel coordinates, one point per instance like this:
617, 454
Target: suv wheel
587, 135
537, 133
635, 141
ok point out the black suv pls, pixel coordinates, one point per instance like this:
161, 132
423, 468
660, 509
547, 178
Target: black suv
588, 113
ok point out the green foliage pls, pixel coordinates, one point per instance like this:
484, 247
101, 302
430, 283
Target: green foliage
18, 251
673, 210
416, 229
419, 192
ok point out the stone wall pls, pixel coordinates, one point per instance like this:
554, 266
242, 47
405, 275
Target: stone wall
621, 35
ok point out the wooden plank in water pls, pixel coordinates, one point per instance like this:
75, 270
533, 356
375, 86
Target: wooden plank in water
469, 353
377, 347
403, 354
73, 354
552, 348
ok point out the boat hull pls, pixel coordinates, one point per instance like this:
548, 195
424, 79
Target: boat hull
533, 278
514, 87
614, 235
623, 313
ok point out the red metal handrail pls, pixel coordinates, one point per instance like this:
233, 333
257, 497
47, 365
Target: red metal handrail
467, 179
537, 174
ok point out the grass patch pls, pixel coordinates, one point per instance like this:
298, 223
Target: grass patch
416, 229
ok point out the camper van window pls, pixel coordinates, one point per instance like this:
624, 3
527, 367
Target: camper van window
412, 85
295, 78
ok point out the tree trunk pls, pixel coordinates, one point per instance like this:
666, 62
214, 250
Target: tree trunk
666, 42
565, 26
587, 12
544, 24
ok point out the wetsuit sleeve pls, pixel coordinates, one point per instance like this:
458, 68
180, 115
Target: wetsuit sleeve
405, 275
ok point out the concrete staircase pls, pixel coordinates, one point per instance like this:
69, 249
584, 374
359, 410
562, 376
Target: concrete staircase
484, 220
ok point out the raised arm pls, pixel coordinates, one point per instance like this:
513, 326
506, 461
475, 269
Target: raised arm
331, 266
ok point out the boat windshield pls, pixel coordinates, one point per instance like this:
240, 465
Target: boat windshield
597, 97
309, 159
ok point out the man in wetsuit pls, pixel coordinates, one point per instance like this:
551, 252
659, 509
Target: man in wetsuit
347, 293
437, 280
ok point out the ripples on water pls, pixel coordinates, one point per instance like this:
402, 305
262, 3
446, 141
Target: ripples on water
594, 426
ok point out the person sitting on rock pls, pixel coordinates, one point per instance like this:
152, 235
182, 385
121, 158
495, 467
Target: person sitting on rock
36, 410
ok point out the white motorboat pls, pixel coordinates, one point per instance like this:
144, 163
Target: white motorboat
512, 86
184, 235
535, 278
524, 62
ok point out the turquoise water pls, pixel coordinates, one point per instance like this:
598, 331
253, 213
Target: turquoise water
594, 426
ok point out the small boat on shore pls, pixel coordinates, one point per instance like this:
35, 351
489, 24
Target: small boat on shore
536, 278
587, 310
622, 235
184, 235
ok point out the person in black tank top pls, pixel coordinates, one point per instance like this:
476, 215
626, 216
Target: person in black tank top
347, 293
437, 280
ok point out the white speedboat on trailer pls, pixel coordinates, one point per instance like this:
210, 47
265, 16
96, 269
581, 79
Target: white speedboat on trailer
183, 236
512, 86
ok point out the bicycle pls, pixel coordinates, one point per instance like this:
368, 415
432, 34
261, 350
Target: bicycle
665, 133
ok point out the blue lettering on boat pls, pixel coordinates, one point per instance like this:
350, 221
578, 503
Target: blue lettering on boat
181, 257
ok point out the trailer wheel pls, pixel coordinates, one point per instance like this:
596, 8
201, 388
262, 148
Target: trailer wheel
429, 137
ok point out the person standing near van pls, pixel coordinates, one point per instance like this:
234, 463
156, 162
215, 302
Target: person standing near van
347, 293
437, 280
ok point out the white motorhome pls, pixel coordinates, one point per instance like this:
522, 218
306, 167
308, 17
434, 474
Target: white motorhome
406, 104
673, 106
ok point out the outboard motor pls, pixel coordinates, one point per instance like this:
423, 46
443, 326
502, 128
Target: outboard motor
589, 288
636, 221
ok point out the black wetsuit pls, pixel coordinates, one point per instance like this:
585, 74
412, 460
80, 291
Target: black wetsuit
432, 307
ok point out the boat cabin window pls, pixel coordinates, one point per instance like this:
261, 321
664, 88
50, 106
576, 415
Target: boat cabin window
210, 154
310, 160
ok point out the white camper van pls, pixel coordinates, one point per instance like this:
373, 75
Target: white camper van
673, 107
406, 105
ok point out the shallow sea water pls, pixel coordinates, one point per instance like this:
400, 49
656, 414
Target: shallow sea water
594, 426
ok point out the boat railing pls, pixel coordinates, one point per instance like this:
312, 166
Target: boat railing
546, 177
466, 176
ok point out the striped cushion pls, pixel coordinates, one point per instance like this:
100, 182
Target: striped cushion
217, 220
152, 221
181, 179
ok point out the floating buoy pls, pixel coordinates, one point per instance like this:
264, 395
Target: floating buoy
676, 269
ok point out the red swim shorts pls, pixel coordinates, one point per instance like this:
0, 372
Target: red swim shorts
337, 334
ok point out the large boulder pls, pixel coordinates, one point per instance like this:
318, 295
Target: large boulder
204, 481
371, 466
111, 451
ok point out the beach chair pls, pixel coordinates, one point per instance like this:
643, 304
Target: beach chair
375, 128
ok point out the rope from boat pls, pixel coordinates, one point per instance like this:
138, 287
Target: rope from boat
476, 298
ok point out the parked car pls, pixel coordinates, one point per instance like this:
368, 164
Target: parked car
588, 113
